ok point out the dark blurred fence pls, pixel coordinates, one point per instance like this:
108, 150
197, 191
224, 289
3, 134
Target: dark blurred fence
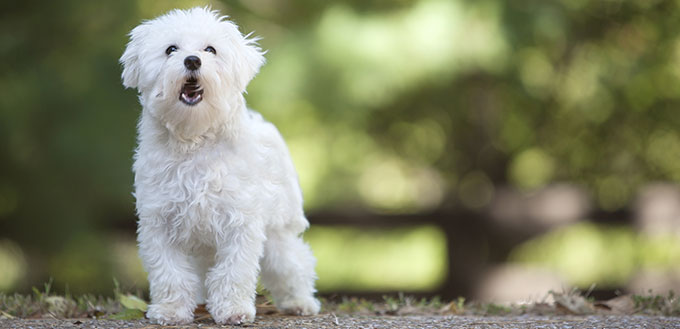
475, 240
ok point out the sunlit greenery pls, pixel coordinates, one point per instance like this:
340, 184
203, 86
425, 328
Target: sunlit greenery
12, 263
589, 254
396, 259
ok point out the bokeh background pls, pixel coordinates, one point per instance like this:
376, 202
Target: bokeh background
485, 148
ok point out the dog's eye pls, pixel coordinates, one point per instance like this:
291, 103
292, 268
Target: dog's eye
171, 49
210, 49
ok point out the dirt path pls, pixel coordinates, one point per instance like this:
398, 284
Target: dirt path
377, 322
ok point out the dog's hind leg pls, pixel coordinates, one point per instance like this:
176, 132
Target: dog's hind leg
288, 273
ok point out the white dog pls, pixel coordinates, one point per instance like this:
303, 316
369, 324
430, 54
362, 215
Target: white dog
217, 195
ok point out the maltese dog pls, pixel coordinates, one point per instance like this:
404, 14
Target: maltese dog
217, 195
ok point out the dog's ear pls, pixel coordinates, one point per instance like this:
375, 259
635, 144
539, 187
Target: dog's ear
130, 57
248, 57
251, 61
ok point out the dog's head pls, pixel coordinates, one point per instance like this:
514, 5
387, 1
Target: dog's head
188, 65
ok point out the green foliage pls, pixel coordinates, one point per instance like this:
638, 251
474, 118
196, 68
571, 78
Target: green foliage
392, 303
46, 303
127, 314
132, 302
348, 305
460, 304
496, 309
134, 307
587, 253
401, 304
435, 302
654, 304
387, 259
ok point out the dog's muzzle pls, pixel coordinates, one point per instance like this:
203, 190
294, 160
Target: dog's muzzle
191, 93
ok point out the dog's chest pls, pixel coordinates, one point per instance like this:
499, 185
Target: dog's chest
204, 193
223, 184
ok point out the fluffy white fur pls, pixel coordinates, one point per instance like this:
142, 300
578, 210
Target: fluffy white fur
217, 195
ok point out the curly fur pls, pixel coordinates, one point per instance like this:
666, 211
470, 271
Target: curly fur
217, 195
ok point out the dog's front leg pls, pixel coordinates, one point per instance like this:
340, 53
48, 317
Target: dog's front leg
172, 281
231, 283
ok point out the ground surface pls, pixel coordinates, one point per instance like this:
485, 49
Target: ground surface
378, 322
558, 310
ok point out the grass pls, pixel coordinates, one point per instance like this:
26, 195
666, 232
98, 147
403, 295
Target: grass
572, 302
45, 304
658, 304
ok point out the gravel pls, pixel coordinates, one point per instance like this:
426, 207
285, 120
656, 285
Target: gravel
330, 321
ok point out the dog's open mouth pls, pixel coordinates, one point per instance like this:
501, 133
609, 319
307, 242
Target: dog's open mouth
191, 93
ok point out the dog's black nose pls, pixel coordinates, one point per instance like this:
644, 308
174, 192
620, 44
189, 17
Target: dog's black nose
192, 62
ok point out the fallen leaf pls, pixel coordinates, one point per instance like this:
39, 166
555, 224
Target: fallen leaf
618, 305
127, 314
132, 302
200, 309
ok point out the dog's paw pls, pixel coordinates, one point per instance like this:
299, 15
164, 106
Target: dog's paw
233, 315
169, 314
236, 320
300, 306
